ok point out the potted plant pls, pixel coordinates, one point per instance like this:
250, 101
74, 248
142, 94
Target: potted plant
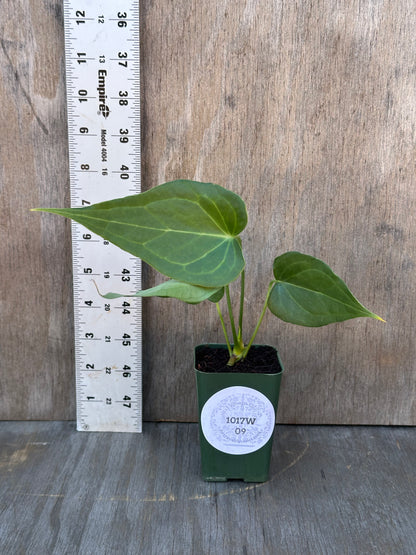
190, 232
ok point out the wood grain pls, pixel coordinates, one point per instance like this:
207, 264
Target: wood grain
36, 337
306, 109
332, 490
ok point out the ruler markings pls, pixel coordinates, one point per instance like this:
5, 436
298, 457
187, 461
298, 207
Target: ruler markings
103, 95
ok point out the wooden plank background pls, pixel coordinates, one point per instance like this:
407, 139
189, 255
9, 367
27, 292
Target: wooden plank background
306, 109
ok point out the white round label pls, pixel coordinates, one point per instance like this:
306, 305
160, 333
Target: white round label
238, 420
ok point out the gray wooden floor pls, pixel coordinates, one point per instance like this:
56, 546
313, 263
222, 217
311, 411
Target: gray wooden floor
346, 490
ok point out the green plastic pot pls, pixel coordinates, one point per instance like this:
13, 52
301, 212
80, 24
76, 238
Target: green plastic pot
237, 414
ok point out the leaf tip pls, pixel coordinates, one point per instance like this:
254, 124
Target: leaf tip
376, 317
96, 286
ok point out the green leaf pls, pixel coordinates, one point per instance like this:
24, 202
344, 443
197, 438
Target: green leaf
308, 293
185, 229
192, 294
216, 297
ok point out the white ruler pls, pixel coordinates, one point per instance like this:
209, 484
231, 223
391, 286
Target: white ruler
103, 100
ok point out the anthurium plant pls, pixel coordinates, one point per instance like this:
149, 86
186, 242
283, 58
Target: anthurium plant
190, 232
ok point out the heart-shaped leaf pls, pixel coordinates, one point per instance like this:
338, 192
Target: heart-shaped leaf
192, 294
185, 229
308, 293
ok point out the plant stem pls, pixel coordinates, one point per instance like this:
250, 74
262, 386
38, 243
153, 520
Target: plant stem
231, 315
240, 318
263, 312
224, 329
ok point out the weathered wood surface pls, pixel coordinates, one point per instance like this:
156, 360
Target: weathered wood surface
36, 329
332, 490
308, 110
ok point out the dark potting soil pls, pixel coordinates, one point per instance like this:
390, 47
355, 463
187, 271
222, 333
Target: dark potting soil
261, 359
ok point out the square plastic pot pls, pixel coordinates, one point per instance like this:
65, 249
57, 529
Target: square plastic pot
237, 415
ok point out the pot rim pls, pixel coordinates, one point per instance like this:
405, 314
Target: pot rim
216, 345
